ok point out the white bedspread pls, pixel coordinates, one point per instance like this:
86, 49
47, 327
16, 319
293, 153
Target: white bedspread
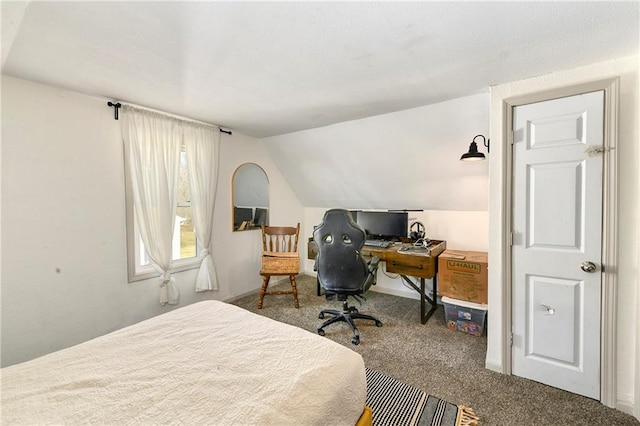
207, 363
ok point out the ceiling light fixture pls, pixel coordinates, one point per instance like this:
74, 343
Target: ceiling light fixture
473, 154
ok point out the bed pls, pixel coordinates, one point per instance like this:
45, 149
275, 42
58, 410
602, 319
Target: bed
206, 363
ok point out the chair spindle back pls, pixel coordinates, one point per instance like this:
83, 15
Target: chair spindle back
280, 238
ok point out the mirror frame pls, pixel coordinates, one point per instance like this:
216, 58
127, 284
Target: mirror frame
233, 197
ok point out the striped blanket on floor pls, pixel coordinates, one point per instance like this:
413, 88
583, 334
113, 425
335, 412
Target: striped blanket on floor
395, 403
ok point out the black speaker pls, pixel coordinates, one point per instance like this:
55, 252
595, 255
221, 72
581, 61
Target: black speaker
416, 231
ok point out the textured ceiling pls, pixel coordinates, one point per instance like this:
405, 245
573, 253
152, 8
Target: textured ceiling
265, 69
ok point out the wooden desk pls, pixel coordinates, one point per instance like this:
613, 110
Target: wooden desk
407, 264
411, 264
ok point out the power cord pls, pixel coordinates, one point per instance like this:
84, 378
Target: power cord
422, 242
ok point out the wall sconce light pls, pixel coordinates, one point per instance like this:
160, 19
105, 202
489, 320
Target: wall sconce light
473, 154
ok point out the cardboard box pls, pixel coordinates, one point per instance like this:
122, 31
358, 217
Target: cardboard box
463, 275
464, 316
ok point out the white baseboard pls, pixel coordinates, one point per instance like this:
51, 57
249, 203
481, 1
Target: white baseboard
257, 290
395, 292
240, 296
493, 366
626, 406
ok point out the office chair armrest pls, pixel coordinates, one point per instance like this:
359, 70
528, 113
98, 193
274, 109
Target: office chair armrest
372, 278
373, 264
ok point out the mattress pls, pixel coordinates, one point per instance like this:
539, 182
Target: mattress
206, 363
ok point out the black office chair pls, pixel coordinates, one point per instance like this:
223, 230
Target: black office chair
342, 271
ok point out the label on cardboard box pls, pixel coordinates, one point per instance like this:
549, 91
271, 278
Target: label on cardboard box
462, 266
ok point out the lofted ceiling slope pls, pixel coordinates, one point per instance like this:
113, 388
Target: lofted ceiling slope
271, 68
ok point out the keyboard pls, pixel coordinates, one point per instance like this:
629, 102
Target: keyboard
377, 243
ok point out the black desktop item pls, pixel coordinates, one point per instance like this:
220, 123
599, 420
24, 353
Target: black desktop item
260, 217
384, 225
241, 214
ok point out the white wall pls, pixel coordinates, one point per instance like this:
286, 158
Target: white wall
628, 321
403, 160
64, 276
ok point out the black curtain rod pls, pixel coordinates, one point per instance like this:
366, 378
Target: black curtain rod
118, 105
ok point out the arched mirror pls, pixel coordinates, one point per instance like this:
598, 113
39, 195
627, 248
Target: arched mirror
250, 197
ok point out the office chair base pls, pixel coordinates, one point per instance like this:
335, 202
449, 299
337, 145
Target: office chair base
348, 314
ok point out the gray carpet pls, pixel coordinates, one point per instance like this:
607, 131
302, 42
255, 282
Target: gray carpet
447, 364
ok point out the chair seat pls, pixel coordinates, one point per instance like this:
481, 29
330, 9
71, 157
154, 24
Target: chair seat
281, 254
280, 263
276, 274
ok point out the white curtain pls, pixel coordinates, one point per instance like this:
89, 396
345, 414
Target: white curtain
202, 145
152, 147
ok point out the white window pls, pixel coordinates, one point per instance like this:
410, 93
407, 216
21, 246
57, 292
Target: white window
184, 237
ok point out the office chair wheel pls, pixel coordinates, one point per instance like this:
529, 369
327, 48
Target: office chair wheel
378, 323
356, 340
321, 332
321, 315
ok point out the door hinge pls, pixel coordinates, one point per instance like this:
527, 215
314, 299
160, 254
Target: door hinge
511, 239
510, 339
518, 135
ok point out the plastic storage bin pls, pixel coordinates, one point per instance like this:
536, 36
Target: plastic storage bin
464, 316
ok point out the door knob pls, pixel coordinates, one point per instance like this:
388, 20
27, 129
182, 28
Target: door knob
588, 266
550, 310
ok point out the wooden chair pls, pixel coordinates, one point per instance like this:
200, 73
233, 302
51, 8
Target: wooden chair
280, 257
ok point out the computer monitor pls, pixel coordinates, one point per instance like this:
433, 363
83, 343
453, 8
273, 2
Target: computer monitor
260, 217
241, 214
384, 225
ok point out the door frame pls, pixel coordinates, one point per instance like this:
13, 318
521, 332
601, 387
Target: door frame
608, 342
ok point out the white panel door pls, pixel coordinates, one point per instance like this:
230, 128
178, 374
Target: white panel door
557, 226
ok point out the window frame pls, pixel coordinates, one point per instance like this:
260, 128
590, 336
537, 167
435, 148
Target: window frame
136, 271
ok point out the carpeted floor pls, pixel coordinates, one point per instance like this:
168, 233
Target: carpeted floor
447, 364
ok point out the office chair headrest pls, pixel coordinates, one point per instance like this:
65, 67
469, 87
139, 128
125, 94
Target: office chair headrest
341, 267
338, 227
